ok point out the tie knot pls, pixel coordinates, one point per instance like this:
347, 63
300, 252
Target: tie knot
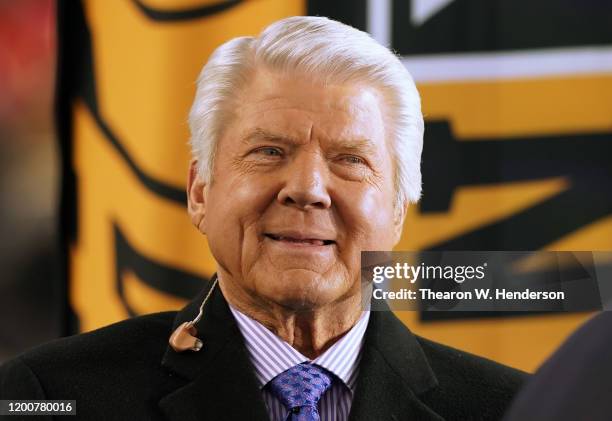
301, 386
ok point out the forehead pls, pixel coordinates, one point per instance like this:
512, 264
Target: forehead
301, 108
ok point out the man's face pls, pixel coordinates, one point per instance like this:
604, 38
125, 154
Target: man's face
302, 183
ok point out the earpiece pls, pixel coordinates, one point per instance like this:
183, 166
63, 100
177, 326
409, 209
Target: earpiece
184, 337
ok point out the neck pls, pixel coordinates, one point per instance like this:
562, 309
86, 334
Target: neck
311, 331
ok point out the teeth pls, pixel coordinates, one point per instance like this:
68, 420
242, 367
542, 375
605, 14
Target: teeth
305, 241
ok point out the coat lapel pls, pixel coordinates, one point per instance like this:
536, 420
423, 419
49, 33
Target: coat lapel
393, 373
218, 382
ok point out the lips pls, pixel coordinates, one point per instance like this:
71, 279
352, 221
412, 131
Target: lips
300, 240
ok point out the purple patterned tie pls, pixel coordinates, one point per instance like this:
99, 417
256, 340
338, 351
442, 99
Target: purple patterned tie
300, 388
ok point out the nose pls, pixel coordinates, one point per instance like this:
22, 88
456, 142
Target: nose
305, 185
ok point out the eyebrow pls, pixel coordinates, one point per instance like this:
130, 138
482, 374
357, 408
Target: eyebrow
355, 146
359, 145
260, 134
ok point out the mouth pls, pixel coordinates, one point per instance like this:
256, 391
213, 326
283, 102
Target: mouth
300, 241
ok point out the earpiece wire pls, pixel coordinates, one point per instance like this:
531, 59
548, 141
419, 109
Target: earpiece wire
199, 316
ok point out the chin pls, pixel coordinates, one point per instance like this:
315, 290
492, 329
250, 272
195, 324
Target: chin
305, 290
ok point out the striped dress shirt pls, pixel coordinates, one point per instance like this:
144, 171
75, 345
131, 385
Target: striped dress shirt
270, 356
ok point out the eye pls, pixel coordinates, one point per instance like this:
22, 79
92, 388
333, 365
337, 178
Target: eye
354, 160
268, 151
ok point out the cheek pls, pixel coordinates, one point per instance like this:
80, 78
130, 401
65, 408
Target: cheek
234, 208
369, 219
238, 199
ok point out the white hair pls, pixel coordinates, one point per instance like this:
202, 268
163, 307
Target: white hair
327, 51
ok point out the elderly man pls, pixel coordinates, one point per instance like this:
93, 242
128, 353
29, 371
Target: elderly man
306, 144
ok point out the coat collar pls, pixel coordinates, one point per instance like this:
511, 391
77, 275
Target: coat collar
393, 373
219, 379
218, 382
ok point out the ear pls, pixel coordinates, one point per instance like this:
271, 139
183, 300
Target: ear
196, 197
398, 221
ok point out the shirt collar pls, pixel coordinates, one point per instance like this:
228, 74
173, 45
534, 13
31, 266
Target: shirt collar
271, 355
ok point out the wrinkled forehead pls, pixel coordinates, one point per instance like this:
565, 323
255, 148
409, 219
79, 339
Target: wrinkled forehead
300, 109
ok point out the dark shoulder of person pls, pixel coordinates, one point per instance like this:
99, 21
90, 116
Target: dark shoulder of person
575, 383
117, 366
469, 384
